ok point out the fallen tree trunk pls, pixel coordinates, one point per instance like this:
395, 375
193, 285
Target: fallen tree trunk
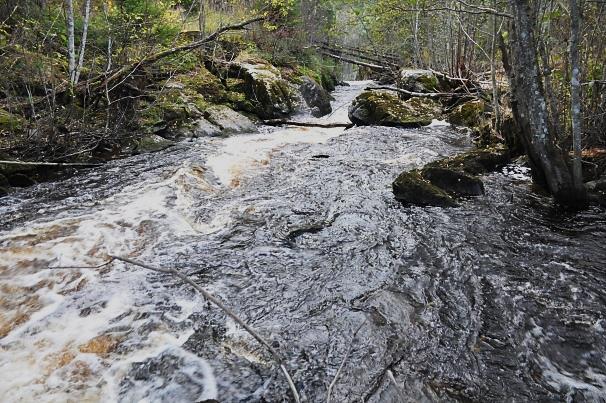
356, 62
282, 122
358, 55
51, 164
418, 94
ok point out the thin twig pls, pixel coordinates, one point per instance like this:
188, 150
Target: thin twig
228, 311
82, 267
347, 353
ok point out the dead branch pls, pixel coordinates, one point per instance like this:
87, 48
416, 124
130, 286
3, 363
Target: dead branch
357, 62
126, 71
276, 356
51, 164
282, 122
416, 94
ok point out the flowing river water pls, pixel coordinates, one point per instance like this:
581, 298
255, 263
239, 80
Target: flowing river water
297, 230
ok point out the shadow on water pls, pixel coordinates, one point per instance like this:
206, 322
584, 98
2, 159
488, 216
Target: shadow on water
501, 299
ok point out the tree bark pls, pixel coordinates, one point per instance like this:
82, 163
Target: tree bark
527, 89
575, 90
71, 47
83, 42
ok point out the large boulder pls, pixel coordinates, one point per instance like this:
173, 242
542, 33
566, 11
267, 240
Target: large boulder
203, 128
418, 80
270, 95
316, 97
228, 120
453, 182
470, 114
475, 162
411, 188
384, 108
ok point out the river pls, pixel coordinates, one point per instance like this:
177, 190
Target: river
297, 230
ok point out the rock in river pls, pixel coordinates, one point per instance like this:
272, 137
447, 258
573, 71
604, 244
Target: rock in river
316, 97
412, 188
384, 108
455, 183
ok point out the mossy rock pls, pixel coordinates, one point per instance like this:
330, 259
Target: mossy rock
454, 182
10, 123
418, 80
152, 143
470, 114
426, 106
386, 109
411, 188
475, 162
271, 96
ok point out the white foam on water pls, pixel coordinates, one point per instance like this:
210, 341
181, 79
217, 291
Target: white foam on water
240, 155
74, 334
438, 123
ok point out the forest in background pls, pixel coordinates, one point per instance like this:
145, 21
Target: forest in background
76, 80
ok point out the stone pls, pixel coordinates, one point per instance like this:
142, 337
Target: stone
416, 80
470, 114
316, 97
229, 121
271, 96
475, 162
384, 108
203, 128
152, 143
411, 188
455, 183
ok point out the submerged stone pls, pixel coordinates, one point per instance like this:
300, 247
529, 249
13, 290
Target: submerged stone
411, 188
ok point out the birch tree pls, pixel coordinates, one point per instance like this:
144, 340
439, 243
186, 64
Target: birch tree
71, 47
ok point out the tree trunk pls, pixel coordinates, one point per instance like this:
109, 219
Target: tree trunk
539, 140
575, 90
71, 47
202, 18
83, 42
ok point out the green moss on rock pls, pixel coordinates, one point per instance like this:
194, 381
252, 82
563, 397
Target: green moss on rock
386, 109
411, 188
10, 122
469, 114
475, 162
